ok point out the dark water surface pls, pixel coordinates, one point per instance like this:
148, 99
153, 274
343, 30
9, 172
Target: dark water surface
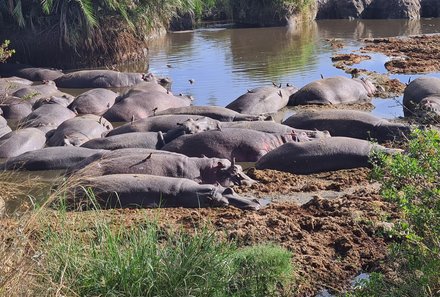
225, 62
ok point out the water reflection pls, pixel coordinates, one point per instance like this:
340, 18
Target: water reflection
224, 63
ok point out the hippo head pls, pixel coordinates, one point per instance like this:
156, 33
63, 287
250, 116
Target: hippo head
368, 85
431, 103
244, 203
192, 126
231, 174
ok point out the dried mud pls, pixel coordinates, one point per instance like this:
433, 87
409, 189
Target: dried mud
414, 54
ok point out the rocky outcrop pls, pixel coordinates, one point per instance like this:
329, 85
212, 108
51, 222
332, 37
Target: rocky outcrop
377, 9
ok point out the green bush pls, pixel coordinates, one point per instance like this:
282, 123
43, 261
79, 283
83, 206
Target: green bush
150, 261
412, 181
5, 52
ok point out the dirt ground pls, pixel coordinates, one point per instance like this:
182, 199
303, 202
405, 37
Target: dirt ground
332, 239
414, 54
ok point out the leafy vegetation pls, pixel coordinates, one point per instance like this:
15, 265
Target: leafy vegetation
5, 52
412, 181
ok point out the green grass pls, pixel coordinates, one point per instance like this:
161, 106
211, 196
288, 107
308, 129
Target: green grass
5, 52
412, 181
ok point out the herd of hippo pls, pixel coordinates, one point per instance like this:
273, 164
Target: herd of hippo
171, 153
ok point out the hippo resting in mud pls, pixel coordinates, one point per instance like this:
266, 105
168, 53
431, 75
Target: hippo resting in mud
348, 123
327, 154
218, 113
79, 130
98, 79
147, 161
20, 141
29, 72
334, 90
422, 93
50, 158
15, 108
140, 190
150, 140
242, 144
262, 100
96, 101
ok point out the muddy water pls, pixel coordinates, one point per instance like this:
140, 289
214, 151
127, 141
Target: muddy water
225, 62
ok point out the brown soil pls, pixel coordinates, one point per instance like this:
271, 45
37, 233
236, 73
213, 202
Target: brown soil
341, 60
335, 43
356, 106
415, 54
332, 239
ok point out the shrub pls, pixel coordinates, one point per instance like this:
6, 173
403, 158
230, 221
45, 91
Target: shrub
5, 52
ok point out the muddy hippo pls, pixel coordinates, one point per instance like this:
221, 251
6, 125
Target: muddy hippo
9, 85
162, 123
143, 104
141, 190
47, 115
4, 128
334, 90
142, 87
151, 140
326, 154
262, 100
50, 158
418, 90
20, 141
15, 108
348, 123
242, 144
63, 101
79, 130
145, 161
98, 79
214, 112
43, 91
29, 72
96, 101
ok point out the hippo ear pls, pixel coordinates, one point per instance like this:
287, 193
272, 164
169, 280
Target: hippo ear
179, 124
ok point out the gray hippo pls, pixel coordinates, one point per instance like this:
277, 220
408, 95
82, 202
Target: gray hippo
262, 100
29, 72
79, 130
145, 161
20, 141
326, 154
4, 128
96, 101
349, 123
242, 144
418, 90
142, 87
162, 123
334, 90
50, 158
36, 92
98, 79
143, 104
15, 108
9, 85
141, 190
214, 112
51, 115
151, 140
61, 100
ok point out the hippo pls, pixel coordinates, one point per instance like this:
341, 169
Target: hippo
141, 190
142, 87
51, 115
49, 158
96, 101
214, 112
143, 104
151, 140
98, 79
145, 161
79, 130
418, 90
20, 141
326, 154
36, 92
15, 108
162, 123
262, 100
242, 144
349, 123
9, 85
334, 90
63, 101
29, 72
4, 128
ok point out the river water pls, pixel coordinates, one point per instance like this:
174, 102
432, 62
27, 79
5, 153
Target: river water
224, 62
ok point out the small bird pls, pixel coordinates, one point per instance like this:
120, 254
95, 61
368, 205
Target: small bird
148, 157
191, 81
132, 119
169, 66
154, 110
